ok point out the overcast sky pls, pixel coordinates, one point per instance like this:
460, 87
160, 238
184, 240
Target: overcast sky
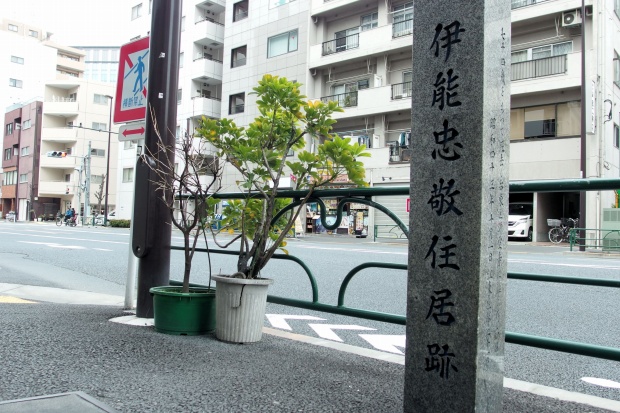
74, 22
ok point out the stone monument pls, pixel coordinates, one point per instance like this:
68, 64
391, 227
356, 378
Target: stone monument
459, 206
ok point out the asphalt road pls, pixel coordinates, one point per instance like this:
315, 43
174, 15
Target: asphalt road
95, 259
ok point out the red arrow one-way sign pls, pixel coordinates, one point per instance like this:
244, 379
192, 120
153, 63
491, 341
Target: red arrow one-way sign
132, 81
131, 131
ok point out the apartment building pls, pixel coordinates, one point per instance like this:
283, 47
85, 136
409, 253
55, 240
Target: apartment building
358, 53
201, 70
100, 63
51, 145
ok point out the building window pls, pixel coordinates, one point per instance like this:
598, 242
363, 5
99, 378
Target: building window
18, 60
100, 99
127, 175
179, 96
9, 129
238, 56
128, 145
23, 178
617, 136
97, 152
183, 23
236, 103
136, 11
617, 68
12, 28
26, 124
33, 33
240, 10
16, 83
10, 178
100, 126
369, 21
402, 19
26, 151
7, 154
548, 121
278, 3
282, 43
181, 58
96, 179
542, 52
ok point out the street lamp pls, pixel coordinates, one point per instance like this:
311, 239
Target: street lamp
107, 168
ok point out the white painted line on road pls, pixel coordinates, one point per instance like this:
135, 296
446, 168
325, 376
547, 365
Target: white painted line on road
347, 348
102, 249
54, 245
364, 250
563, 395
72, 239
386, 342
326, 330
279, 320
560, 264
602, 382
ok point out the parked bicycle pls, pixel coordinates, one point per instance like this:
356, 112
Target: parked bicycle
561, 229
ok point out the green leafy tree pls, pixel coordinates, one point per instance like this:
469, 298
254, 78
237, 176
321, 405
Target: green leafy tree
259, 153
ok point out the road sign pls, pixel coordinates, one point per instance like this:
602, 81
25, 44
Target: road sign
133, 71
131, 131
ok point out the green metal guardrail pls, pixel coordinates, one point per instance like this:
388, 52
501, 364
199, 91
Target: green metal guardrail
608, 240
362, 195
389, 232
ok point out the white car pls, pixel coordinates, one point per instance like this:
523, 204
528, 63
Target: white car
521, 220
99, 219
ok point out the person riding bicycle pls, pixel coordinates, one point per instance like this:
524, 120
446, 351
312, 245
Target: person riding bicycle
73, 215
68, 214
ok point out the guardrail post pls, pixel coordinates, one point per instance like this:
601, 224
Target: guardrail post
459, 175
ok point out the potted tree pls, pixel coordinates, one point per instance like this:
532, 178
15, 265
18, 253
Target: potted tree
260, 154
186, 178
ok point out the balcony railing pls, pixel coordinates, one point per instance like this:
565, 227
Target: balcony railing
341, 44
209, 19
540, 67
344, 99
401, 90
206, 57
516, 4
402, 28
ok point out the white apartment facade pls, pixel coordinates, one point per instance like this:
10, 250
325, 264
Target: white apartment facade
359, 54
49, 99
76, 114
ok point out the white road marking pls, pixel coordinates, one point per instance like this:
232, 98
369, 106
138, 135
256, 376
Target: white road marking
102, 249
563, 264
326, 330
279, 320
386, 342
72, 239
602, 382
54, 245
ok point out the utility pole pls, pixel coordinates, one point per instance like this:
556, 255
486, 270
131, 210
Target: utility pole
154, 259
87, 183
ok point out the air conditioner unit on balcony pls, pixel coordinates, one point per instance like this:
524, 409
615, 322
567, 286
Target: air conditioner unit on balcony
571, 18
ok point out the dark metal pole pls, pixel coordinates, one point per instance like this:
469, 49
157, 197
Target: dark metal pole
582, 194
154, 266
107, 168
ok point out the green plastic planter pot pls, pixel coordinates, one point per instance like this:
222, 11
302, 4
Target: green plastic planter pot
180, 313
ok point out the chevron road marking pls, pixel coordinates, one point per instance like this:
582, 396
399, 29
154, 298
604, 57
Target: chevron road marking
385, 342
279, 320
326, 330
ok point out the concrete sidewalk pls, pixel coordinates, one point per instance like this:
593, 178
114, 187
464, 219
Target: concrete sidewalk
57, 341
